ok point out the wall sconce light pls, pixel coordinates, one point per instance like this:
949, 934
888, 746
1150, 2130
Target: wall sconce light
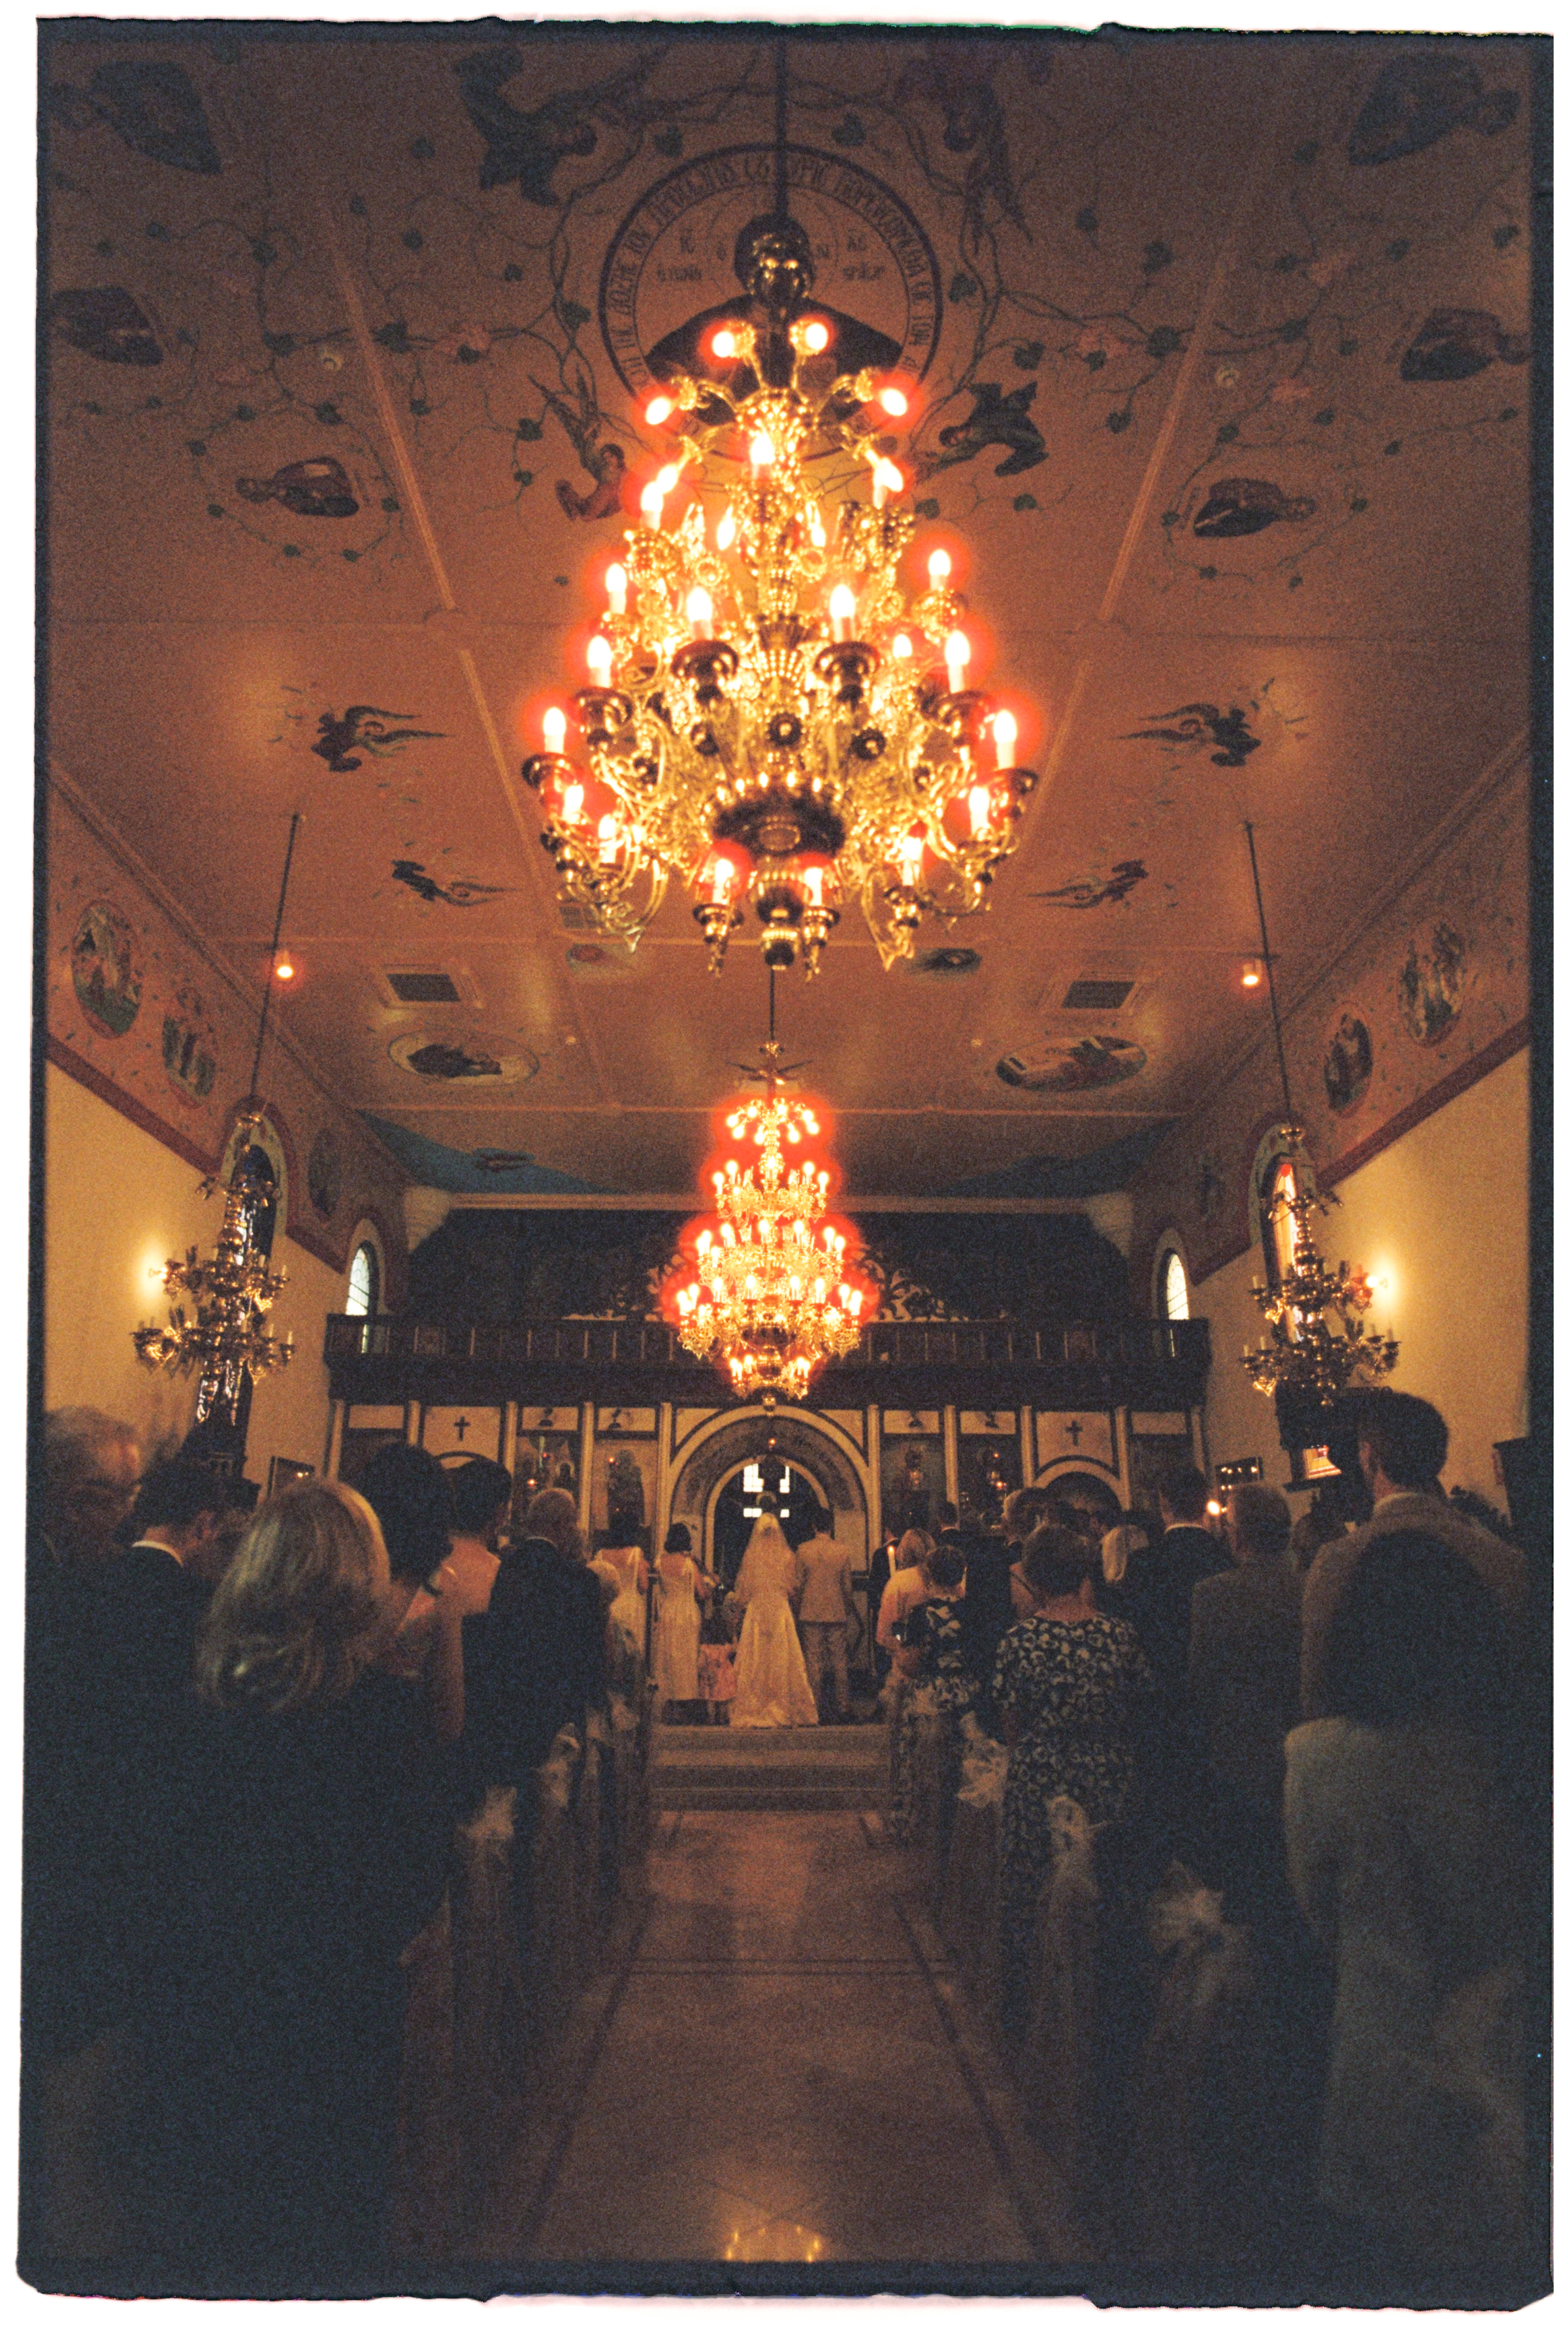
283, 967
1252, 972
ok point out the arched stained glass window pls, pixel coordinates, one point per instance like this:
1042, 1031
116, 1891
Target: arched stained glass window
1173, 1301
365, 1282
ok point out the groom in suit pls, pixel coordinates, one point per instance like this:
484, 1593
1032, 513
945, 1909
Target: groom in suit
824, 1619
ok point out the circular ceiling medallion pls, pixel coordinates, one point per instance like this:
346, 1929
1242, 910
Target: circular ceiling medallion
448, 1059
670, 274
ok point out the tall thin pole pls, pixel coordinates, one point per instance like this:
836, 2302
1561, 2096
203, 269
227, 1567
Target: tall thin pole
1269, 972
294, 822
781, 199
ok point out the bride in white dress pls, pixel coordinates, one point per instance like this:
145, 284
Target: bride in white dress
771, 1689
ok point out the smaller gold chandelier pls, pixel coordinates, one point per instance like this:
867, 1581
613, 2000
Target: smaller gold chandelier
229, 1341
765, 1289
1303, 1354
229, 1338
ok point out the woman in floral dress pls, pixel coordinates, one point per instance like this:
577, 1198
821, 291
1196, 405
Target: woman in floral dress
1070, 1686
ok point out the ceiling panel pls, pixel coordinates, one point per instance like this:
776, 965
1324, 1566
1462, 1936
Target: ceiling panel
1223, 419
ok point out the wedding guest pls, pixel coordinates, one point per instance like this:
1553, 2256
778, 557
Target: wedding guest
1405, 1866
481, 1493
305, 1847
905, 1587
1403, 1449
411, 1498
827, 1595
682, 1586
1244, 1670
1070, 1685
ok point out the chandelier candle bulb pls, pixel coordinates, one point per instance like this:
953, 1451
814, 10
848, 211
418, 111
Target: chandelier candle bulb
555, 730
816, 530
979, 810
1004, 730
939, 566
658, 412
724, 346
699, 614
815, 336
841, 609
902, 648
763, 455
724, 537
599, 661
956, 651
893, 400
653, 505
615, 586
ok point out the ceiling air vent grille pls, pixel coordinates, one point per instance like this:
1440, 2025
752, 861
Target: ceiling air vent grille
1097, 994
423, 986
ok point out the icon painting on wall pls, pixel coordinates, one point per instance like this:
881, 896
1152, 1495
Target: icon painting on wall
190, 1045
323, 1173
1088, 1065
104, 969
1210, 1187
1432, 983
1348, 1063
439, 1060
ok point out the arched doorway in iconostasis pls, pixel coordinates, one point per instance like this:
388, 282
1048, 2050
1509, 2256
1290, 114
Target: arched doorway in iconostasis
809, 1466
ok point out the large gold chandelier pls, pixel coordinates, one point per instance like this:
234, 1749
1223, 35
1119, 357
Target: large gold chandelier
778, 712
228, 1340
1304, 1356
766, 1285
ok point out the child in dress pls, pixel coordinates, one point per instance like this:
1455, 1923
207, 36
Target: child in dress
716, 1679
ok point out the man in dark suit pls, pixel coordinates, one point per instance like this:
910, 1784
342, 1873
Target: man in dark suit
1244, 1676
986, 1611
109, 1689
535, 1660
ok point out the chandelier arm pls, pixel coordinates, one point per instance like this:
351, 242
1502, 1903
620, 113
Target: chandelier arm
781, 200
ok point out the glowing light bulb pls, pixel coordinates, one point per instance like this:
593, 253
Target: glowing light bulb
1004, 729
812, 878
979, 810
659, 410
816, 529
1252, 974
763, 455
653, 505
885, 479
609, 839
555, 730
724, 345
815, 336
725, 536
572, 804
283, 968
615, 586
599, 661
939, 566
902, 648
894, 400
842, 608
668, 478
957, 654
699, 614
911, 849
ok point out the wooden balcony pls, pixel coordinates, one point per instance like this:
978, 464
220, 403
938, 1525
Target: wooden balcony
979, 1363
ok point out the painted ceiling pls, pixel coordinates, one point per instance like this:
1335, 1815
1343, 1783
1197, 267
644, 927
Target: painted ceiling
1225, 359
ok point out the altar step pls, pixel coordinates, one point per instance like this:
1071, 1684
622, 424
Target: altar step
834, 1768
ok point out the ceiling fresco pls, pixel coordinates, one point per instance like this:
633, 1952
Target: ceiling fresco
1224, 361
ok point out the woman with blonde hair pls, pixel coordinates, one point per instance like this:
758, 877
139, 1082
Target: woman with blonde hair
307, 1846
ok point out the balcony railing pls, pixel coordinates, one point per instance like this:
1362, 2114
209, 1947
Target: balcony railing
1136, 1347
